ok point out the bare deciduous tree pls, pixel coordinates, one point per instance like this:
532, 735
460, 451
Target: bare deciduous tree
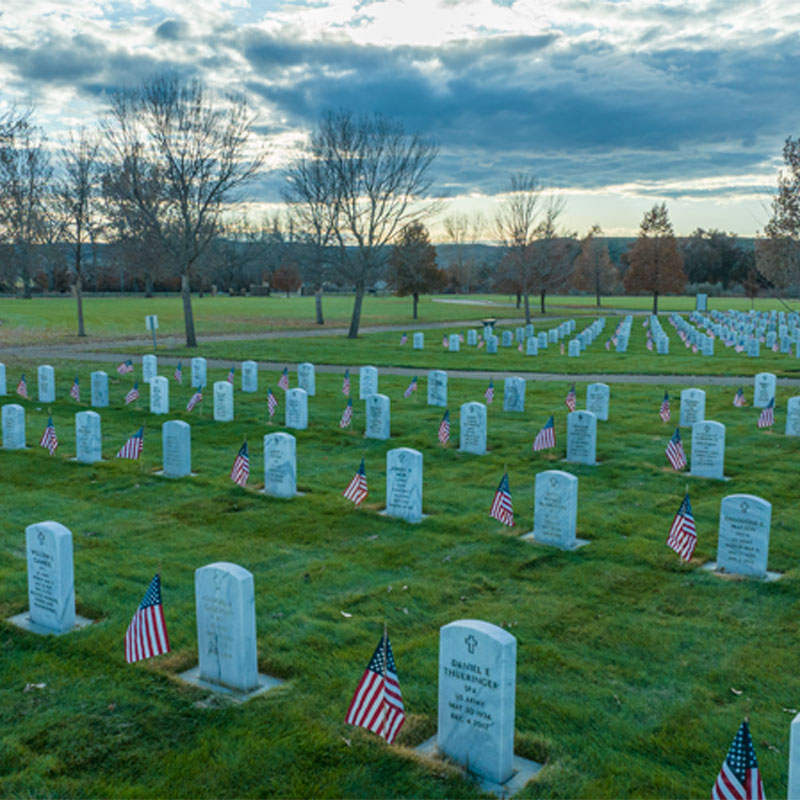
76, 197
179, 157
594, 271
372, 176
462, 231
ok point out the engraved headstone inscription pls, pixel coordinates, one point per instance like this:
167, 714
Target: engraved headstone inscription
555, 509
404, 484
472, 428
693, 407
51, 581
437, 388
280, 465
99, 389
46, 384
88, 441
582, 437
13, 419
249, 376
378, 417
223, 401
744, 527
367, 382
514, 394
597, 395
763, 389
296, 409
306, 378
159, 395
176, 448
708, 450
149, 368
199, 378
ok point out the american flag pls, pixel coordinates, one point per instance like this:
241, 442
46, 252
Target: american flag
283, 383
377, 704
739, 778
412, 387
570, 399
195, 399
608, 344
614, 339
489, 393
133, 447
22, 388
179, 373
49, 439
649, 343
674, 451
404, 338
738, 398
272, 403
346, 383
766, 419
357, 488
231, 373
519, 347
133, 394
147, 634
444, 428
501, 505
445, 342
480, 343
347, 414
682, 535
546, 438
562, 348
645, 322
125, 367
663, 412
775, 346
241, 466
694, 348
75, 391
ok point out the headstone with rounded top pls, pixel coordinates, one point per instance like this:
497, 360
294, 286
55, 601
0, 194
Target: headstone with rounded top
708, 450
437, 388
693, 407
793, 416
88, 439
378, 417
514, 394
280, 465
763, 389
176, 448
306, 378
418, 341
13, 420
149, 368
582, 438
367, 382
249, 376
454, 343
597, 395
159, 395
3, 389
555, 510
99, 389
46, 384
744, 528
223, 401
491, 345
404, 484
472, 428
472, 337
296, 409
199, 371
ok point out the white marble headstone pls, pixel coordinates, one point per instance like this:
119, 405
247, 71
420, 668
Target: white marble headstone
367, 382
88, 438
582, 437
793, 416
223, 401
159, 395
199, 379
149, 368
226, 625
597, 400
708, 450
46, 384
693, 407
99, 389
437, 388
249, 376
794, 760
573, 348
51, 581
472, 337
404, 484
508, 338
477, 685
306, 378
378, 417
514, 394
763, 389
176, 448
744, 527
3, 389
296, 401
555, 509
472, 428
531, 346
454, 343
13, 427
491, 345
280, 465
418, 340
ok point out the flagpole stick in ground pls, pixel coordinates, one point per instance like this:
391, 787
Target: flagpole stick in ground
385, 659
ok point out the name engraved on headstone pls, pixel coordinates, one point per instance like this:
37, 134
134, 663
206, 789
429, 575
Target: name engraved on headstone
367, 382
223, 401
51, 586
296, 409
744, 528
46, 384
280, 465
99, 389
693, 407
437, 388
199, 379
176, 446
88, 441
597, 395
708, 449
149, 368
306, 378
472, 428
404, 484
13, 419
378, 421
555, 508
249, 376
582, 437
764, 389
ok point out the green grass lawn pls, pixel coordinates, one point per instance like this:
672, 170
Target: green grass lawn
384, 349
49, 319
634, 670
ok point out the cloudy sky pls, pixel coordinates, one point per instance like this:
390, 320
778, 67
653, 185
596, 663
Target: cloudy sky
616, 104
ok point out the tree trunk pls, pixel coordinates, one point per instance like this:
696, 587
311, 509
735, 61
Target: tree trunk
416, 300
79, 298
597, 291
188, 318
318, 305
655, 302
519, 299
148, 286
541, 301
355, 319
527, 309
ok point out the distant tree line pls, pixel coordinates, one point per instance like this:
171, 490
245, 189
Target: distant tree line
153, 199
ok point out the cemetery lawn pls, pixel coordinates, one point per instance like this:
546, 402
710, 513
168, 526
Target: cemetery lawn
385, 350
54, 318
634, 670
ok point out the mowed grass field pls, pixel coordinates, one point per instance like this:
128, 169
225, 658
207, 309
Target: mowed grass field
634, 670
54, 319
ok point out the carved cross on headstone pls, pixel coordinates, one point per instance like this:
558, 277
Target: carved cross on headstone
471, 643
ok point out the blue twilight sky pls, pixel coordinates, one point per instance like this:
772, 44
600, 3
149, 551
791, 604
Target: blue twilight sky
615, 104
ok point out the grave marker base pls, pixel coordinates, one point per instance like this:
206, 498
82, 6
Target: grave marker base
711, 566
524, 770
24, 621
162, 474
530, 537
276, 497
384, 513
265, 683
705, 477
581, 463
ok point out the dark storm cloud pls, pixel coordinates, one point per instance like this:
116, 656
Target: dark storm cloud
171, 30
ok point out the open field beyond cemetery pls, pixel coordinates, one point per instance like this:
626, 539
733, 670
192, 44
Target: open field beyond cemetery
634, 670
54, 319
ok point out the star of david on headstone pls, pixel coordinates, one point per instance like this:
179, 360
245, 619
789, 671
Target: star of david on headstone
471, 643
